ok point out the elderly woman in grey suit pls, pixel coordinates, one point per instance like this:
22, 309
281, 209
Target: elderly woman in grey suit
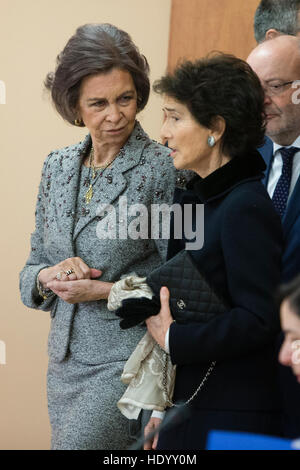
81, 244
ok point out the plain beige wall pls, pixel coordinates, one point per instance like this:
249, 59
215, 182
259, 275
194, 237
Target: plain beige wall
32, 33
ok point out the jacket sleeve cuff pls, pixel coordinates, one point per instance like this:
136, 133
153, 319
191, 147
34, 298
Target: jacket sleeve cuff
29, 293
158, 414
167, 348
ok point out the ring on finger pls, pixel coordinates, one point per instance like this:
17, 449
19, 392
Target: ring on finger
58, 275
69, 271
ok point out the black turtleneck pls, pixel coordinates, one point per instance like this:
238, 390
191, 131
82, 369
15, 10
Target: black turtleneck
224, 179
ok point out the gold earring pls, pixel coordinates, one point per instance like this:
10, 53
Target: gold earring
78, 122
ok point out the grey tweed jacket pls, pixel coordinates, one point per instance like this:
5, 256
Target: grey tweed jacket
144, 173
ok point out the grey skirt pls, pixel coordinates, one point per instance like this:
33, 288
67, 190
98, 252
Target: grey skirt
82, 403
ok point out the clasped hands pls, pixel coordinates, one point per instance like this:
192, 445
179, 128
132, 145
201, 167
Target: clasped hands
78, 286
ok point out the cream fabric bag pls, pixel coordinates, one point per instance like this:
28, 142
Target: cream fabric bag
144, 370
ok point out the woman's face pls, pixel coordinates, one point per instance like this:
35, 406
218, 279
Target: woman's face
108, 106
289, 354
188, 139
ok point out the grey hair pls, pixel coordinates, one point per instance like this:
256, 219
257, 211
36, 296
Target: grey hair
95, 48
281, 15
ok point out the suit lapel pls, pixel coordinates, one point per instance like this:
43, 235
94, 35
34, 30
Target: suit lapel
105, 190
67, 190
267, 153
108, 187
293, 209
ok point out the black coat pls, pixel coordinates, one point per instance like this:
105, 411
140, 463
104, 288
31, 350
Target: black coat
241, 258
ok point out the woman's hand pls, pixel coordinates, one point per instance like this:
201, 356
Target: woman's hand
83, 290
80, 271
159, 324
150, 428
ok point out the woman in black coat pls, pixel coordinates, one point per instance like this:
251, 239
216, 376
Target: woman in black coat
213, 122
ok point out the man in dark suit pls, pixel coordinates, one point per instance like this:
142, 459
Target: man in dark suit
275, 17
277, 63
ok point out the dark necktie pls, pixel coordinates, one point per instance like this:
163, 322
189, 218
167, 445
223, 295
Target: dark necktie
282, 189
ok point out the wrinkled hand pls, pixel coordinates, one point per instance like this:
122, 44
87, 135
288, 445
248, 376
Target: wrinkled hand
83, 290
80, 268
150, 428
159, 324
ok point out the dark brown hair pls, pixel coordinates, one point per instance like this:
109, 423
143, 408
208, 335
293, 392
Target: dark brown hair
95, 48
291, 292
220, 85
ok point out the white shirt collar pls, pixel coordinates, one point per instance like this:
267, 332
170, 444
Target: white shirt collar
276, 168
276, 147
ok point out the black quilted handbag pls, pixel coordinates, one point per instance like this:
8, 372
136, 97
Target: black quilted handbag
192, 299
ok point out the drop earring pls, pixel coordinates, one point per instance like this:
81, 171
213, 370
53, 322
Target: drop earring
211, 141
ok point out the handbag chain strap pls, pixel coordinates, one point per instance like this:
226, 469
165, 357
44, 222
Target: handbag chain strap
164, 382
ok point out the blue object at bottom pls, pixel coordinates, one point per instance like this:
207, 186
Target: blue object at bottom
224, 440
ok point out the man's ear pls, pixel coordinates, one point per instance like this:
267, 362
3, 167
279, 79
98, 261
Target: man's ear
271, 34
